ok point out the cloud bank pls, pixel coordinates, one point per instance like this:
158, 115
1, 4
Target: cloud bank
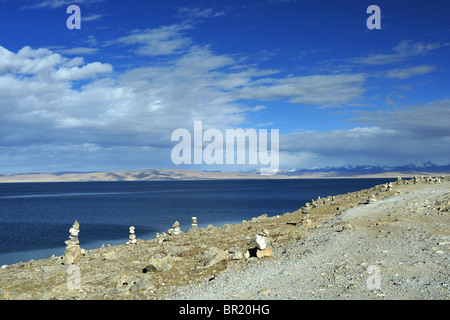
62, 113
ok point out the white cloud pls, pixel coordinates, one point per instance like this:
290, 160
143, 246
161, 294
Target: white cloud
86, 72
44, 63
388, 137
79, 51
165, 40
53, 4
405, 49
316, 90
81, 157
186, 12
429, 121
142, 106
139, 108
28, 61
239, 82
409, 72
92, 17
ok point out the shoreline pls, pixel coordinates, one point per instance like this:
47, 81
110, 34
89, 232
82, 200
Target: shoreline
47, 253
190, 175
227, 217
117, 272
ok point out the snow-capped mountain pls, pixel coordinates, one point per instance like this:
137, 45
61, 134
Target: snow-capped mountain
349, 170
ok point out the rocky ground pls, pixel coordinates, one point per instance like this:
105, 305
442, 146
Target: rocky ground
387, 242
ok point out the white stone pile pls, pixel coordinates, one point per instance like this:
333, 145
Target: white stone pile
263, 243
132, 236
194, 224
73, 251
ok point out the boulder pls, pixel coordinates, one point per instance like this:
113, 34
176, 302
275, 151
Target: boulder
235, 253
212, 256
306, 222
159, 264
110, 255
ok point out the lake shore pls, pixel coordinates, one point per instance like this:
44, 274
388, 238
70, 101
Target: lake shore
401, 230
188, 175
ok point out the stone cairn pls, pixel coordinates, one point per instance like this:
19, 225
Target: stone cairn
305, 221
73, 251
194, 224
132, 236
175, 230
305, 210
370, 199
389, 186
263, 243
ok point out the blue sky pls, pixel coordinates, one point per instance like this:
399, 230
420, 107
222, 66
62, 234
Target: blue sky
108, 96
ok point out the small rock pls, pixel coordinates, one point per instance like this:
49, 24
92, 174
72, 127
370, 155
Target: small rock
267, 252
161, 264
235, 253
142, 284
110, 255
50, 271
306, 222
267, 291
125, 282
347, 226
212, 256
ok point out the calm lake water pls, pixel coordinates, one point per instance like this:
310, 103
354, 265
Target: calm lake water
35, 217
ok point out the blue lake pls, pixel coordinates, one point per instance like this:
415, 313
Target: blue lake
35, 217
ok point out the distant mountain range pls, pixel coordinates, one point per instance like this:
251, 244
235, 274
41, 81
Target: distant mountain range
425, 168
361, 171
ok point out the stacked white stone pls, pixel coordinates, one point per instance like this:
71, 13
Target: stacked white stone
263, 243
194, 223
73, 252
132, 236
176, 228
